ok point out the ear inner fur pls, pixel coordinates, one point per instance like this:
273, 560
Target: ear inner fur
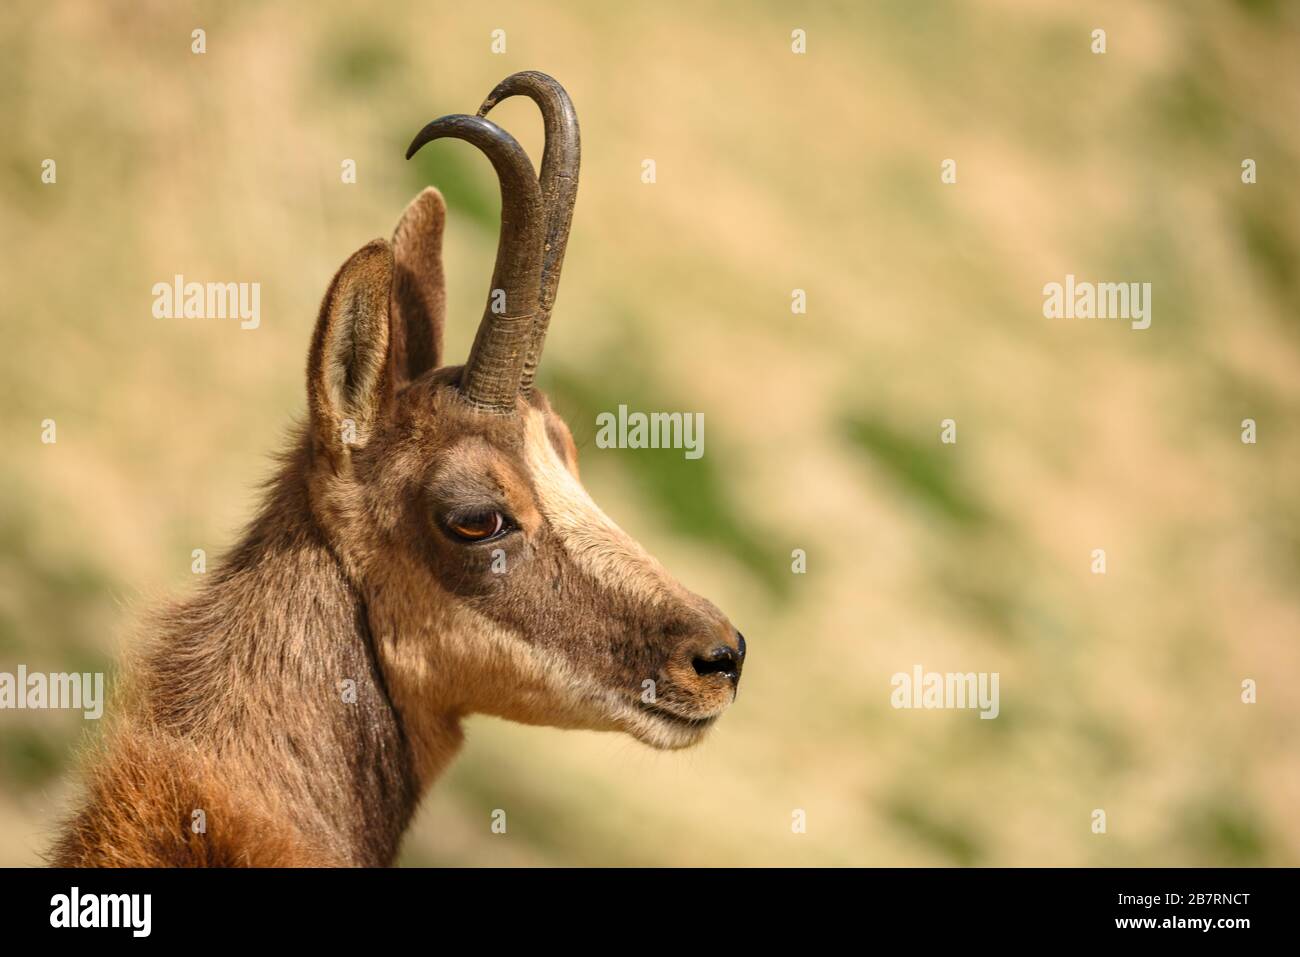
346, 385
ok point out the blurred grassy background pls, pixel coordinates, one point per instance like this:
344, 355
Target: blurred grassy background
775, 172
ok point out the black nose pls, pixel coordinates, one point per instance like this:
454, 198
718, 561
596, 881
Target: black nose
722, 660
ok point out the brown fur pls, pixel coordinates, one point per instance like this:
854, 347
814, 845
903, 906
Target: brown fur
238, 706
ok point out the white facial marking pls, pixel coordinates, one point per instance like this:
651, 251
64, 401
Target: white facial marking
590, 536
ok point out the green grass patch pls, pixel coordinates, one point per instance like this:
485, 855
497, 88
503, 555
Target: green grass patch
923, 470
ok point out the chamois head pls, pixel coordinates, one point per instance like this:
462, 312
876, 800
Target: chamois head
492, 583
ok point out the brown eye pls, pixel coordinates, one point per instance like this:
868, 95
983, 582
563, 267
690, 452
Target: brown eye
476, 527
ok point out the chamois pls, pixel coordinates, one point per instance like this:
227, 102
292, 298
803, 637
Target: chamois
426, 551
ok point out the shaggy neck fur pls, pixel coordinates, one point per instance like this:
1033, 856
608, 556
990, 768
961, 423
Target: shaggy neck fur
258, 710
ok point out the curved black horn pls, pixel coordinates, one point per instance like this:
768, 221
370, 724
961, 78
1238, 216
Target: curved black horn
491, 379
559, 181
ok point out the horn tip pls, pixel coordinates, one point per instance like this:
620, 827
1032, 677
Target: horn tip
420, 140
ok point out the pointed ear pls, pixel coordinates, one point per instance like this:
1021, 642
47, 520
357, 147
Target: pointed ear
347, 380
419, 290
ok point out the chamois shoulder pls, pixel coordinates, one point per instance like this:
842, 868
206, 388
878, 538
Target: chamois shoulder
142, 792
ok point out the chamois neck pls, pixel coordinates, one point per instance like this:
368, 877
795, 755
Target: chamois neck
271, 666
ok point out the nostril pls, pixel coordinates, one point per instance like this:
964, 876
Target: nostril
720, 661
740, 645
